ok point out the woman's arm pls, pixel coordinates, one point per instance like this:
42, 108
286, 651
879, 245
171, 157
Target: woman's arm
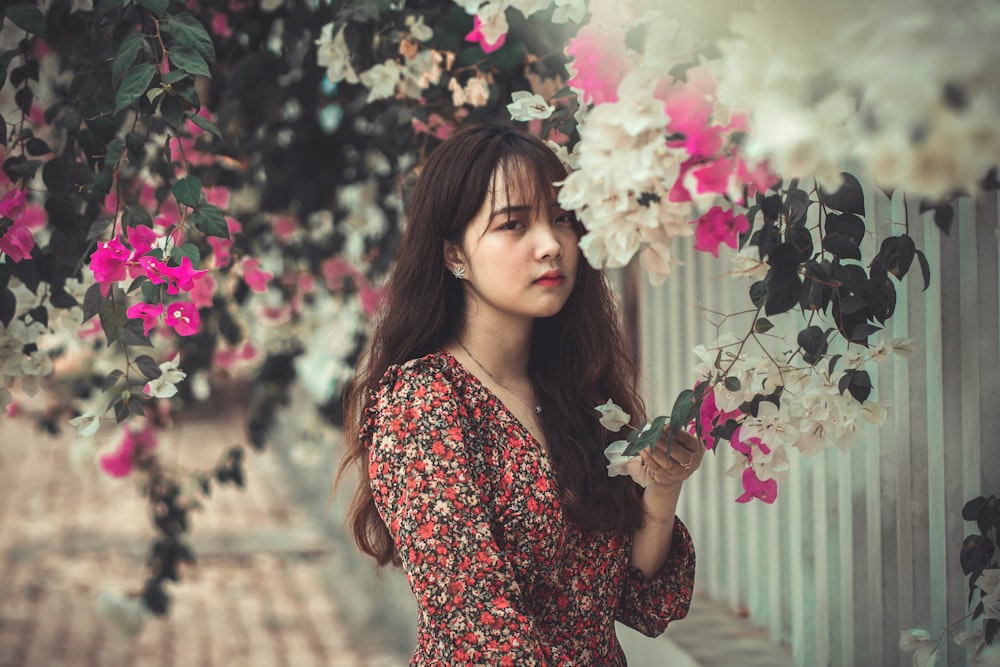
652, 543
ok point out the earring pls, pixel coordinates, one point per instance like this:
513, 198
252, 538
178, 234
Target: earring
458, 272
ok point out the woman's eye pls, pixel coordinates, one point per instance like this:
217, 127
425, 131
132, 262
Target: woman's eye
566, 218
511, 224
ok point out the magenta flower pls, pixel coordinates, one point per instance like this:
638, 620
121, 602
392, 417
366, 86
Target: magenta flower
719, 226
220, 250
148, 313
204, 290
689, 103
133, 445
476, 35
154, 269
182, 277
600, 62
710, 415
370, 297
141, 238
766, 491
713, 177
255, 278
17, 242
184, 317
12, 203
109, 263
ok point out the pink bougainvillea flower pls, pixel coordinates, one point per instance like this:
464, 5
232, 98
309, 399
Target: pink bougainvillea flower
220, 251
203, 291
767, 491
690, 102
220, 25
17, 242
713, 176
217, 195
109, 263
370, 297
134, 444
678, 193
154, 269
719, 226
710, 415
182, 277
285, 227
148, 313
256, 279
760, 178
184, 317
334, 270
476, 35
12, 203
141, 238
600, 62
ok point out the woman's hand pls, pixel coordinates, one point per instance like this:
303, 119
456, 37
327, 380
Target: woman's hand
668, 472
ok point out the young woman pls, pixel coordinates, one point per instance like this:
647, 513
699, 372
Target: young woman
473, 421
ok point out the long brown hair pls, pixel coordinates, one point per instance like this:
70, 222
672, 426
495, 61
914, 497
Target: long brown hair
579, 357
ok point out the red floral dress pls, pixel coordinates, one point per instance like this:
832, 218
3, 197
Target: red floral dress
500, 576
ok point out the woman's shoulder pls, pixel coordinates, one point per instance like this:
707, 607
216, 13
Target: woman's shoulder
436, 372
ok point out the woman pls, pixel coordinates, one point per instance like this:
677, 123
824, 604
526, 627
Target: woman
473, 417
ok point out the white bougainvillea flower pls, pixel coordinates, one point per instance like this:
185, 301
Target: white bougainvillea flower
419, 30
874, 412
333, 54
86, 424
991, 604
904, 347
772, 465
625, 465
748, 264
612, 416
989, 580
912, 639
528, 106
569, 10
970, 639
771, 425
382, 79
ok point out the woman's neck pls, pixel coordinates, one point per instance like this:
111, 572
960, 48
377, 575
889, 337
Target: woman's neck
503, 351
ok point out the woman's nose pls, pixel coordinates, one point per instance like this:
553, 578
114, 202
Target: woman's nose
549, 242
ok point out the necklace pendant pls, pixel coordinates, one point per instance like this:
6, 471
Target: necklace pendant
538, 409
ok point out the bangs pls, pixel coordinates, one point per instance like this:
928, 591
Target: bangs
528, 178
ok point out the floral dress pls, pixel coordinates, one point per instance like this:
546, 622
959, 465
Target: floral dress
500, 575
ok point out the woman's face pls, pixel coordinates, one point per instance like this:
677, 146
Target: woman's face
519, 254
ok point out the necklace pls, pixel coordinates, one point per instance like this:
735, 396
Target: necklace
536, 408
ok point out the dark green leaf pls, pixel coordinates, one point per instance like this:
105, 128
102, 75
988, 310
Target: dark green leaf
121, 410
105, 6
972, 509
852, 304
762, 325
132, 334
858, 383
844, 233
148, 366
28, 70
111, 379
136, 144
133, 216
158, 7
93, 301
210, 220
36, 146
758, 293
732, 383
62, 299
187, 59
681, 415
975, 554
833, 363
206, 125
8, 306
29, 18
172, 110
116, 148
862, 331
850, 198
136, 284
943, 217
813, 342
174, 76
186, 30
925, 268
188, 250
134, 85
3, 131
897, 253
24, 99
125, 56
187, 191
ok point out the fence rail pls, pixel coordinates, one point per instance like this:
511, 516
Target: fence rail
864, 543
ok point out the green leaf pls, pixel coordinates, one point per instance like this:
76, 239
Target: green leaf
758, 293
112, 378
134, 85
680, 415
158, 7
186, 30
133, 216
132, 334
188, 250
148, 366
29, 18
187, 59
850, 198
137, 283
210, 220
206, 125
732, 383
925, 268
762, 325
125, 56
93, 301
105, 6
172, 110
174, 76
154, 93
187, 191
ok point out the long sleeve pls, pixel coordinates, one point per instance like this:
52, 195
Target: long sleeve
433, 500
649, 605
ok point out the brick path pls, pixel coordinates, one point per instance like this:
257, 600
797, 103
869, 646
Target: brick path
66, 532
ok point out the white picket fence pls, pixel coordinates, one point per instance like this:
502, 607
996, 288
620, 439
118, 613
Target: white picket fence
859, 545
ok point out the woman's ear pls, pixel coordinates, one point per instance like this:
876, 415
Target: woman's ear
454, 258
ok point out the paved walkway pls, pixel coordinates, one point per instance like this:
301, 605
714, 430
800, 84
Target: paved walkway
257, 596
